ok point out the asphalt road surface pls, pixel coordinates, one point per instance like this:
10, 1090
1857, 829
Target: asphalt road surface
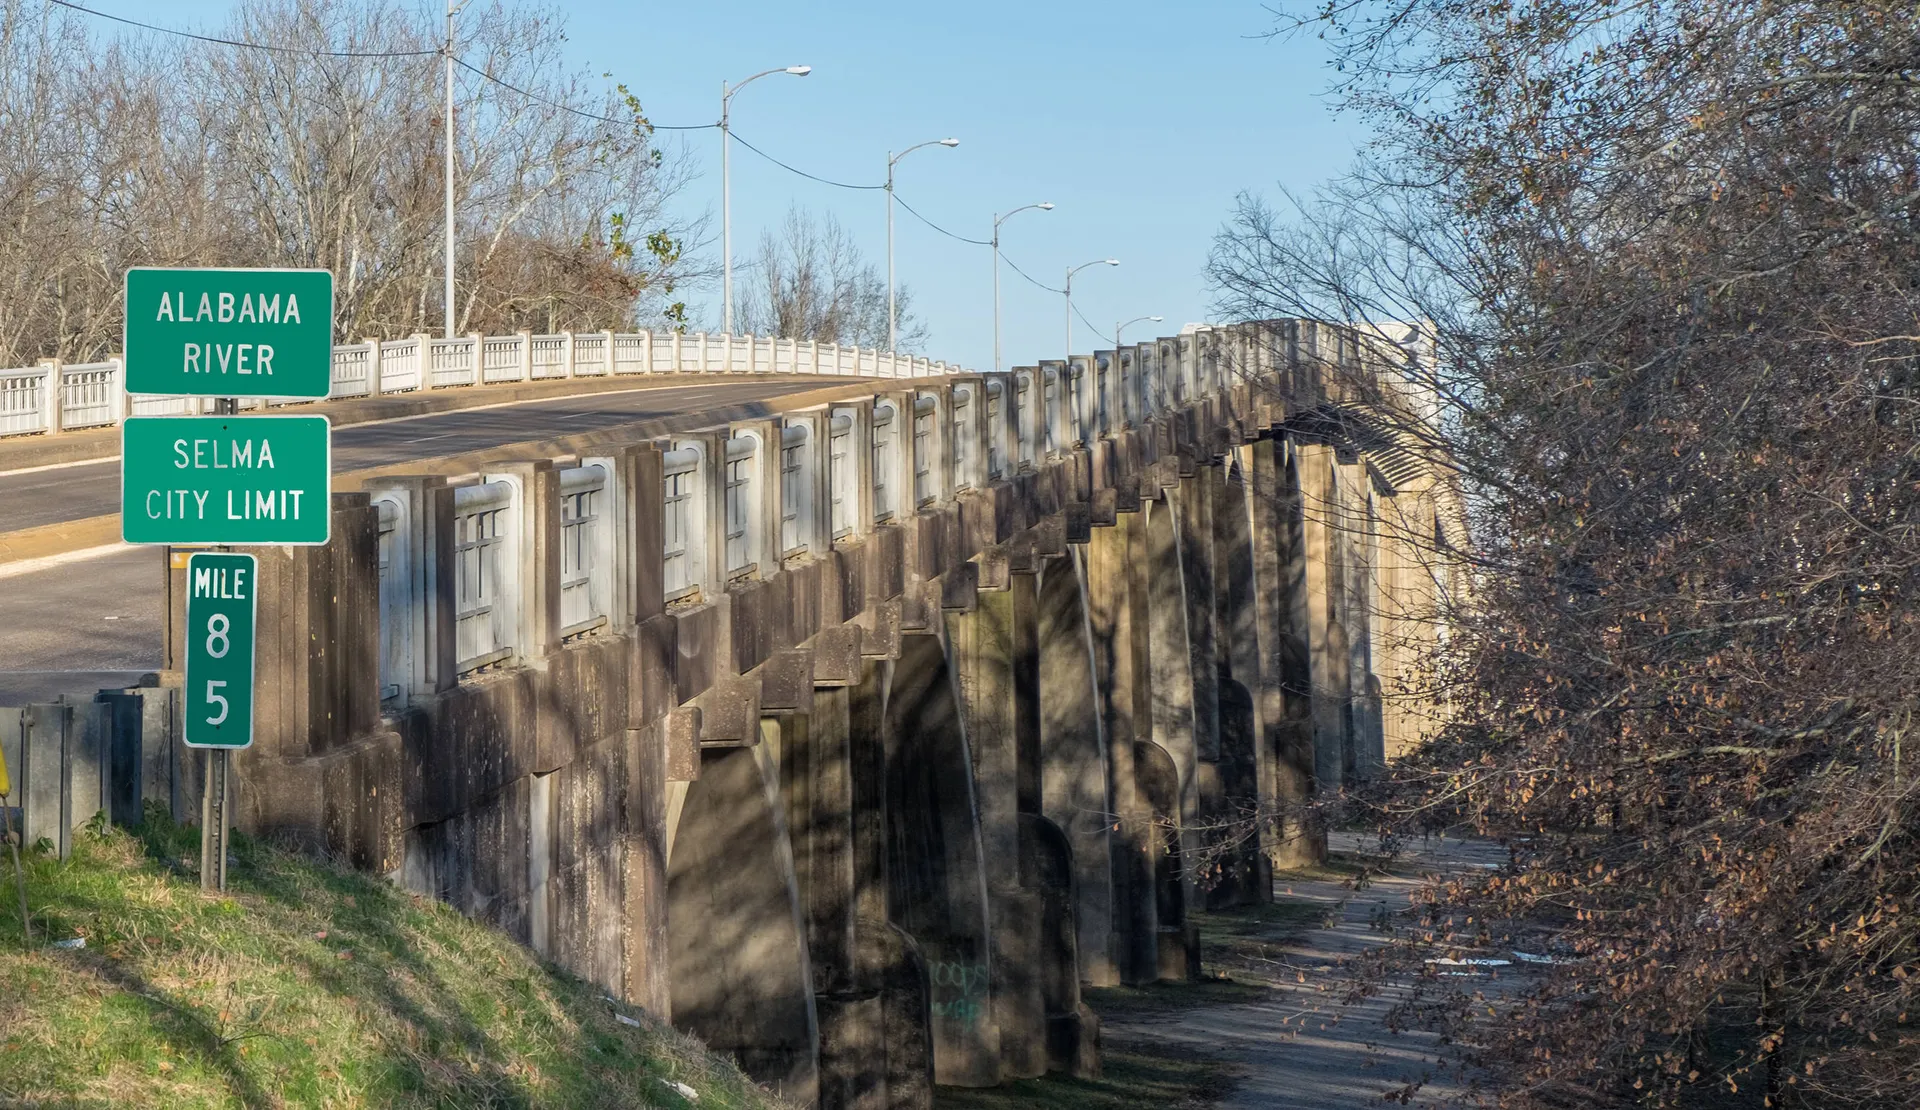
30, 499
76, 625
81, 625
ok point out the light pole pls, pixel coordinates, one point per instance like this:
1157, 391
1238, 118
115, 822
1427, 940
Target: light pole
891, 159
1072, 270
1137, 319
1044, 206
453, 9
726, 182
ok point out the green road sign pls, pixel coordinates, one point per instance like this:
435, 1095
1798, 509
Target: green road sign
229, 333
222, 590
225, 479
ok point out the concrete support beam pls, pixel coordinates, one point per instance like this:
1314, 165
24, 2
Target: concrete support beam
1074, 776
1282, 697
1327, 663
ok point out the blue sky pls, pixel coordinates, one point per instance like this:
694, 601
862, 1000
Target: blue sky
1139, 121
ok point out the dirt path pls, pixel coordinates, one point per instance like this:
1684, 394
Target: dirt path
1303, 1050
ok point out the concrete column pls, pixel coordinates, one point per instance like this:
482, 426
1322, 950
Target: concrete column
1116, 564
1074, 794
1238, 676
647, 978
763, 519
990, 650
740, 974
1172, 583
117, 402
858, 487
373, 366
1079, 401
937, 888
1326, 642
1029, 417
707, 525
421, 579
1058, 436
52, 396
639, 545
1280, 703
533, 581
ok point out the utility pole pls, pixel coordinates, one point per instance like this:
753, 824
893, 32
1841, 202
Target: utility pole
453, 9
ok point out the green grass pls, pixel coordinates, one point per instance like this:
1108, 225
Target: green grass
1136, 1077
304, 985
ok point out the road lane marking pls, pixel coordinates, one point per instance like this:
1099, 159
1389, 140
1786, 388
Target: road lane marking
48, 562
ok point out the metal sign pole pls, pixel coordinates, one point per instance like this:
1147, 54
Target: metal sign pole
213, 827
213, 788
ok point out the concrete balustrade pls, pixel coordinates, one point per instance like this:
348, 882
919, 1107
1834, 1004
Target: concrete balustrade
54, 397
856, 739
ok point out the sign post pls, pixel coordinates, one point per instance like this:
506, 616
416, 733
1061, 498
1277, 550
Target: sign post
222, 601
225, 478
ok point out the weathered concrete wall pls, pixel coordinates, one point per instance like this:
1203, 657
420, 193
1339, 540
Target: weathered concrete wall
849, 752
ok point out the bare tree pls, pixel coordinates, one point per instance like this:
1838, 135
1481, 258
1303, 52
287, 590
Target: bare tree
812, 282
1665, 254
180, 152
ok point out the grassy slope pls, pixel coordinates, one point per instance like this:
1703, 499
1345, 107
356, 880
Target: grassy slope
305, 985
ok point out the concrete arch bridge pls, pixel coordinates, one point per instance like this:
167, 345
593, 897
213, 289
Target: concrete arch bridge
858, 739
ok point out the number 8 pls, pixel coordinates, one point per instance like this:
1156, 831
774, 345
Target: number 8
217, 630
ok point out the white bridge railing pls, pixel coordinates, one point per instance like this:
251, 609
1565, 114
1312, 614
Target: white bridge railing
90, 395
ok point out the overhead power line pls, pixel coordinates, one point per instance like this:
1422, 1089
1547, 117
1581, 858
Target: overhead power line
548, 101
534, 96
251, 45
1030, 277
1091, 326
937, 227
796, 169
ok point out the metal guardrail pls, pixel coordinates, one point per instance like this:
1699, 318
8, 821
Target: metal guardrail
94, 394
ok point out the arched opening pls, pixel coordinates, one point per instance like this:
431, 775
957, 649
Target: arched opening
1177, 945
1047, 866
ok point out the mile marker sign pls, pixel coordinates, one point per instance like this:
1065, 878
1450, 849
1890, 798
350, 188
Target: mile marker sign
222, 589
229, 333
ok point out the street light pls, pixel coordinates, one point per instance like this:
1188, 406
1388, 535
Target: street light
1137, 319
1044, 206
1072, 270
891, 159
726, 181
453, 9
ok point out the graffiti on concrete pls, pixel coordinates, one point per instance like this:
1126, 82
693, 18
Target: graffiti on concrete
959, 991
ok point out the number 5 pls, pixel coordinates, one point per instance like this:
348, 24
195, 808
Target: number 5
213, 685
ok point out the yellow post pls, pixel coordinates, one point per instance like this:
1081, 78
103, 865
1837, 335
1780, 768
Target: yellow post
6, 832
